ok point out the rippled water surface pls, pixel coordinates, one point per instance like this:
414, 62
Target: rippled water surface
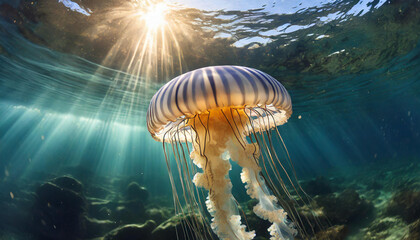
76, 78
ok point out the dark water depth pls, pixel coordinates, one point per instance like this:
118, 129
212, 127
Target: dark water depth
76, 159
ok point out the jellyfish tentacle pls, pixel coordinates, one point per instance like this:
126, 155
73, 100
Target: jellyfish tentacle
193, 224
195, 200
177, 203
270, 156
220, 204
187, 188
267, 207
226, 220
292, 181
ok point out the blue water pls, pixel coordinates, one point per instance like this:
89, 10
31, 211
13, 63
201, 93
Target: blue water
351, 68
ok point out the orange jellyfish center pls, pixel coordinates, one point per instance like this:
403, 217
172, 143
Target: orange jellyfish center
219, 124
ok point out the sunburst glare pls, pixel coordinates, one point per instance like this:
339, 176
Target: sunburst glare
148, 50
155, 16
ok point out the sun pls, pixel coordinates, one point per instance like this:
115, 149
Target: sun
155, 16
148, 48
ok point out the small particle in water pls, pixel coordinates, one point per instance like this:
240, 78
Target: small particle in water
375, 155
12, 195
6, 172
49, 204
300, 117
409, 113
42, 137
29, 159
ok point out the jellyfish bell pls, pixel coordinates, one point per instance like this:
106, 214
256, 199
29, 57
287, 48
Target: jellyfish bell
220, 113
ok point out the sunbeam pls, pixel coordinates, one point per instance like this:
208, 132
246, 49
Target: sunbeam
86, 86
148, 52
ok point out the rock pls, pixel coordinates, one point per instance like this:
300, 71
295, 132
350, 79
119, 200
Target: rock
414, 231
317, 186
338, 232
132, 232
158, 215
178, 227
347, 206
68, 182
55, 196
136, 192
385, 228
58, 212
81, 172
373, 195
405, 204
101, 209
96, 228
312, 219
128, 212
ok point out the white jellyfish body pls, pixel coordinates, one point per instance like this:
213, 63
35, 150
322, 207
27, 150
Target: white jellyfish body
222, 113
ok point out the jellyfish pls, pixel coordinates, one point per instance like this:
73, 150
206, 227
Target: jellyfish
211, 116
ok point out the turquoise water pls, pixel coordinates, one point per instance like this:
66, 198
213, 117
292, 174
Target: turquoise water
73, 97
